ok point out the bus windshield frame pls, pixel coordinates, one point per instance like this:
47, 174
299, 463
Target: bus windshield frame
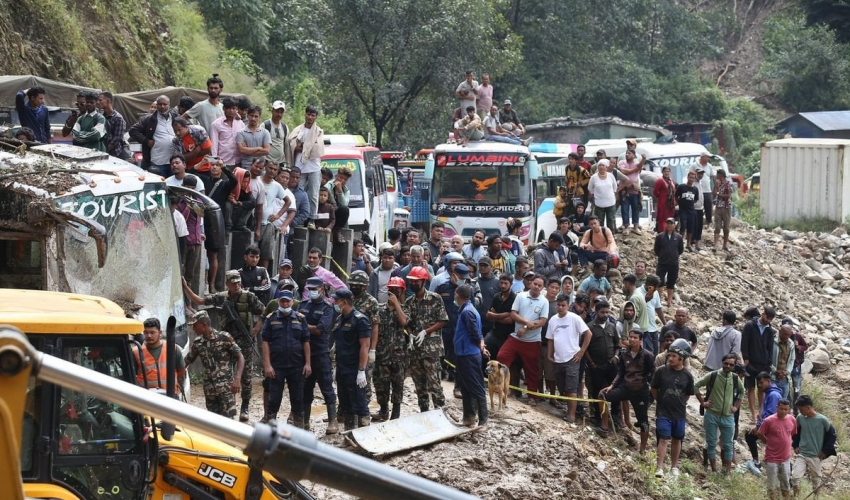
355, 184
481, 182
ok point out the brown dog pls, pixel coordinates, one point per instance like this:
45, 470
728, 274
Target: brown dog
498, 380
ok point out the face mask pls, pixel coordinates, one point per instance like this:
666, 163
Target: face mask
337, 308
357, 290
313, 267
285, 310
314, 294
415, 288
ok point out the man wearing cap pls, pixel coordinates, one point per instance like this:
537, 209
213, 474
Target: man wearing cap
218, 352
319, 314
313, 269
352, 332
669, 245
488, 283
278, 131
470, 349
286, 358
458, 274
392, 360
427, 316
242, 314
509, 119
368, 305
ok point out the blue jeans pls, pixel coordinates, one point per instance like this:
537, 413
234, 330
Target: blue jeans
585, 256
163, 170
797, 378
631, 205
784, 387
726, 425
311, 182
502, 138
650, 342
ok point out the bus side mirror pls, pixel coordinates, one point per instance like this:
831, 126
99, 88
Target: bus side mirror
533, 169
429, 167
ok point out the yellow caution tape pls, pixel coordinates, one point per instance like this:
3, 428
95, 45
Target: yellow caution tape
541, 395
337, 265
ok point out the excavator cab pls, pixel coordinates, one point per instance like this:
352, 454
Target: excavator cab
77, 442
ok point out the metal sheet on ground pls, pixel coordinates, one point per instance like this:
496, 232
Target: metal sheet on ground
407, 433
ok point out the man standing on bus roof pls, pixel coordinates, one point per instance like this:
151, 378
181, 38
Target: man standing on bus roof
467, 91
306, 147
33, 114
493, 130
509, 119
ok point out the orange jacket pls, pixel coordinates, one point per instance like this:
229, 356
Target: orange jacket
153, 369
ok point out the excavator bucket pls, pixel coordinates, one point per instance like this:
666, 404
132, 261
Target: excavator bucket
406, 433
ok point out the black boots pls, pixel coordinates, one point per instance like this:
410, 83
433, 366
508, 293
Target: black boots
396, 412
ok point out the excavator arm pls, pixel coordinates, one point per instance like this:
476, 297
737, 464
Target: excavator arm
282, 450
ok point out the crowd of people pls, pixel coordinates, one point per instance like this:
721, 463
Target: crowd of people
439, 309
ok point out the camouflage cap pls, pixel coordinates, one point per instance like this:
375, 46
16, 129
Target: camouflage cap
199, 316
358, 278
233, 276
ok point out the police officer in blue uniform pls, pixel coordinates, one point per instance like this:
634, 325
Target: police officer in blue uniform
447, 292
319, 315
286, 357
352, 332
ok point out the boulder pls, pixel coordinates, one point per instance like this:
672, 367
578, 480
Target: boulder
790, 235
831, 291
806, 367
819, 359
816, 277
814, 265
778, 270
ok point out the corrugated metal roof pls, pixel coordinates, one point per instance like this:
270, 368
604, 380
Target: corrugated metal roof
829, 120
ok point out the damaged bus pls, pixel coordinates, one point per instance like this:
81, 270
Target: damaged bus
77, 220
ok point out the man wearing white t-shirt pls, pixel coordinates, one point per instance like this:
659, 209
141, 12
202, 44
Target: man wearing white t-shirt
529, 312
178, 169
274, 208
568, 337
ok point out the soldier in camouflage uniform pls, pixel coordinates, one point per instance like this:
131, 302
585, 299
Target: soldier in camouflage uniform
427, 315
249, 310
368, 305
391, 361
218, 351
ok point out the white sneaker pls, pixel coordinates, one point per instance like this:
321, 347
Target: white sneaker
659, 473
674, 472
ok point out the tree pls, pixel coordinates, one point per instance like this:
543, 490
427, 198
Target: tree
386, 53
833, 13
808, 68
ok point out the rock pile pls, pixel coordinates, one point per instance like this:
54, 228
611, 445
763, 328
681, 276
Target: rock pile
805, 276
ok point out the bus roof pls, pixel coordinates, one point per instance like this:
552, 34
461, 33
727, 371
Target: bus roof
65, 161
36, 311
494, 147
656, 150
336, 153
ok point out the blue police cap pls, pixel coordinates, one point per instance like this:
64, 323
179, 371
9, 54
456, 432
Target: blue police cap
286, 294
462, 270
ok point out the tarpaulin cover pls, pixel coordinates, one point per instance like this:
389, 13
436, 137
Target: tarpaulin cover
58, 94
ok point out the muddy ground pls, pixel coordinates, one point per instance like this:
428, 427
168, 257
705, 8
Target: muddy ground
529, 452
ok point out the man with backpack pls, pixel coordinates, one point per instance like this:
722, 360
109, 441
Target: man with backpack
278, 132
722, 398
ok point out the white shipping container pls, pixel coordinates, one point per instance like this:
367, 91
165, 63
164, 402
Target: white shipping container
804, 179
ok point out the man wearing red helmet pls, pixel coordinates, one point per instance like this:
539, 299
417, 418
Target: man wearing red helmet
427, 315
391, 357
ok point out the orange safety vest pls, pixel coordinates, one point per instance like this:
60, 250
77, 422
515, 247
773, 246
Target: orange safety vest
153, 370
